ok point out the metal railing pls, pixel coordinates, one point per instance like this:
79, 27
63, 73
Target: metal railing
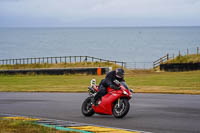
139, 65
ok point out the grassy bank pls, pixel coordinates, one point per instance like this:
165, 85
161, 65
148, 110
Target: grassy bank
193, 58
59, 65
19, 126
141, 81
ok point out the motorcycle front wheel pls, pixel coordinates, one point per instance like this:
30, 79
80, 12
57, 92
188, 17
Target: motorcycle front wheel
122, 110
86, 108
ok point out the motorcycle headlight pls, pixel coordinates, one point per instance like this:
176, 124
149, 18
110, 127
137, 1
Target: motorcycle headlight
124, 92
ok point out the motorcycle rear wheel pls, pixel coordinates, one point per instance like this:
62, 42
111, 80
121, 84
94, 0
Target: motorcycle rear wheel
86, 108
120, 112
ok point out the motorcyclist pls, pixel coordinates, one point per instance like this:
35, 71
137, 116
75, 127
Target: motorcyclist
118, 74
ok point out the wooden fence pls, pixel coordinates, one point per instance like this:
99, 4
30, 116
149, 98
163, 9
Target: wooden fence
167, 57
160, 61
56, 60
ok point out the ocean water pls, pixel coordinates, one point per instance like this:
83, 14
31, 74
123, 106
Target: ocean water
130, 44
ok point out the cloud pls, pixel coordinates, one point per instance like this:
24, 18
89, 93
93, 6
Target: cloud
77, 11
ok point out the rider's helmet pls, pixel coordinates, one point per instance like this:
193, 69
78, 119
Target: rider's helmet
119, 73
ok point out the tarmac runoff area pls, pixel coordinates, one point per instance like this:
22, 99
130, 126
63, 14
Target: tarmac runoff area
158, 113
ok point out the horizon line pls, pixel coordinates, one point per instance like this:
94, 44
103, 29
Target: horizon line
98, 26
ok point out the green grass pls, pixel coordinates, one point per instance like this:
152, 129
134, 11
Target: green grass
19, 126
146, 82
167, 82
193, 58
46, 83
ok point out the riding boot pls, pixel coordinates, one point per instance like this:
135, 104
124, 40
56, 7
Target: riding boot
96, 98
100, 93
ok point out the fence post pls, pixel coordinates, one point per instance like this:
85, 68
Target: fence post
187, 51
56, 60
75, 59
197, 50
51, 60
70, 59
167, 56
65, 59
160, 60
85, 59
154, 65
179, 54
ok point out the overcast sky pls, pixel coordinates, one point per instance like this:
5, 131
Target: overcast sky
73, 13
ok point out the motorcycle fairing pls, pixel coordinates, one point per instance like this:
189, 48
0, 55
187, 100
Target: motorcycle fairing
105, 107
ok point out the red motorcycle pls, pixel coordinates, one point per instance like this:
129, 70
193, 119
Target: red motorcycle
115, 102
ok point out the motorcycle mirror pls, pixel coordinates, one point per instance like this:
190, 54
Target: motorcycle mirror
131, 90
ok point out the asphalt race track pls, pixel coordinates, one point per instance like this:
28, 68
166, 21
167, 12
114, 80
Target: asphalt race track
159, 113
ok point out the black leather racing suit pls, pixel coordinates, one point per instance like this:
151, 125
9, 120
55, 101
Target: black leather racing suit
107, 82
